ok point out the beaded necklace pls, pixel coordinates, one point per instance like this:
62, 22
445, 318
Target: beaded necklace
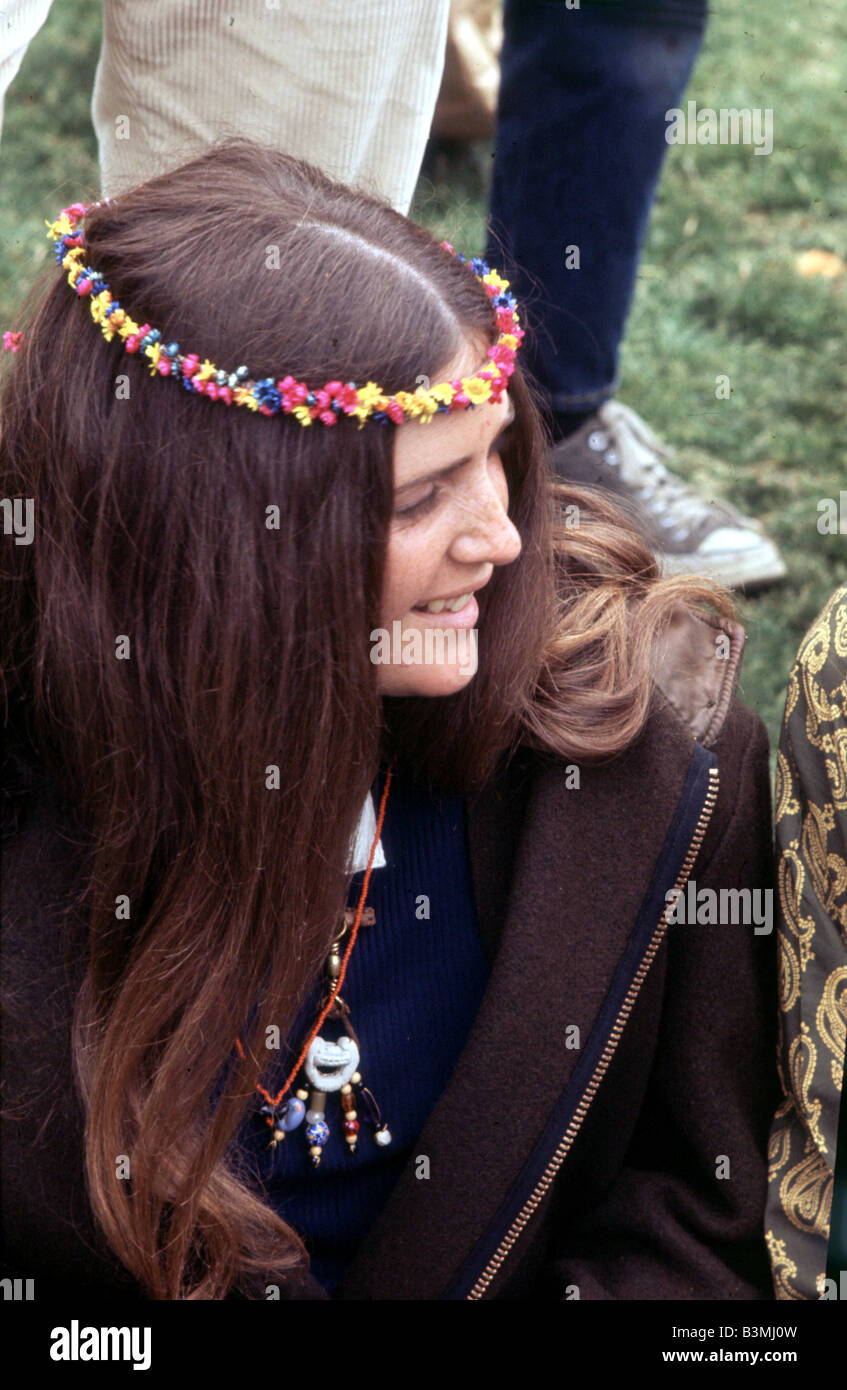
329, 1067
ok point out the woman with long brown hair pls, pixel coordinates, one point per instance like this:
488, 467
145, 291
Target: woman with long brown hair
314, 952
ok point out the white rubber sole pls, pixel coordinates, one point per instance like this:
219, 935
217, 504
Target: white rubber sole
761, 565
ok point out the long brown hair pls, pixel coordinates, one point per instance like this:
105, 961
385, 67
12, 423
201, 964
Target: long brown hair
249, 651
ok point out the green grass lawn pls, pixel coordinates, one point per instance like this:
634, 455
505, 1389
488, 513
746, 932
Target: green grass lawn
718, 290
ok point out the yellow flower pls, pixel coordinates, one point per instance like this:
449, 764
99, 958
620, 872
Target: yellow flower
476, 391
128, 327
371, 397
404, 399
111, 323
71, 256
153, 352
100, 305
423, 407
205, 370
240, 393
250, 401
59, 228
508, 340
301, 413
492, 278
443, 392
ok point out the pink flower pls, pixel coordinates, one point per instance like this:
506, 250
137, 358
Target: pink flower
12, 341
328, 417
347, 398
460, 400
394, 411
293, 393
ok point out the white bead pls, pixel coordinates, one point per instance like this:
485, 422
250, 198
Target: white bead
382, 1137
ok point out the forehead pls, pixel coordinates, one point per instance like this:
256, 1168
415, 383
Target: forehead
420, 448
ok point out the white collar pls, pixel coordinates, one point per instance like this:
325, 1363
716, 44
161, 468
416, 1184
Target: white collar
360, 845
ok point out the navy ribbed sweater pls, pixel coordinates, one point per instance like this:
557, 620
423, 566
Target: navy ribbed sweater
413, 986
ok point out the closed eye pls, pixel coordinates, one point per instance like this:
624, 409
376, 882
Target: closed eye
428, 503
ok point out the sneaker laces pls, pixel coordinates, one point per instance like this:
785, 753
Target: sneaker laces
639, 453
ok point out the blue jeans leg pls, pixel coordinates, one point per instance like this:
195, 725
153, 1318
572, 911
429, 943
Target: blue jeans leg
579, 146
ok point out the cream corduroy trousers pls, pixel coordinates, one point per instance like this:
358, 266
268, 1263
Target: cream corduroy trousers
349, 85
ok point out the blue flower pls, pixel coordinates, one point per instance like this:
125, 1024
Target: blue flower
266, 393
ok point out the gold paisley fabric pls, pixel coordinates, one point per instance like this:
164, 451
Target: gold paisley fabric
810, 800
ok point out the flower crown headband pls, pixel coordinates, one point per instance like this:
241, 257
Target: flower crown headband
270, 397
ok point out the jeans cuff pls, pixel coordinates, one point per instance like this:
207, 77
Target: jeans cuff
561, 402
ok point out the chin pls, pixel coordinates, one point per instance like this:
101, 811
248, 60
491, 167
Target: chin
426, 680
424, 659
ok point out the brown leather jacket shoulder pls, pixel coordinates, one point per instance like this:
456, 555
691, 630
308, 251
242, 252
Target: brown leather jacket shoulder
697, 664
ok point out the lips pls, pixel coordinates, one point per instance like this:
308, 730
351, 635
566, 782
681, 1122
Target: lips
437, 605
452, 605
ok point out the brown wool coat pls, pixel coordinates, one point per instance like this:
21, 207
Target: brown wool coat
596, 1171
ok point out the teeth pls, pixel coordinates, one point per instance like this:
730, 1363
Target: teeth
453, 605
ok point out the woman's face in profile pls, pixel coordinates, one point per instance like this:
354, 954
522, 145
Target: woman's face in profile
447, 534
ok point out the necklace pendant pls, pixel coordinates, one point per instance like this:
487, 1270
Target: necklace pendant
317, 1129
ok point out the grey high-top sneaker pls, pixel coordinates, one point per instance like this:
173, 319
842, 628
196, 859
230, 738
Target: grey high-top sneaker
689, 532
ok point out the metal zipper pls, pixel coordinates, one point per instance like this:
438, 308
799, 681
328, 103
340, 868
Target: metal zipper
602, 1067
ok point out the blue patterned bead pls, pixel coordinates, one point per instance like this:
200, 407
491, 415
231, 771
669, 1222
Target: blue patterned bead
171, 349
220, 378
242, 372
317, 1132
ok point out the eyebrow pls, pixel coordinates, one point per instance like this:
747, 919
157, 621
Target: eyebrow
459, 463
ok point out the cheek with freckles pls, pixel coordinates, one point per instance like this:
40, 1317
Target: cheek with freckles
413, 563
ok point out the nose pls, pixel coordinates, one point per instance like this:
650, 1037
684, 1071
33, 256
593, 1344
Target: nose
485, 532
